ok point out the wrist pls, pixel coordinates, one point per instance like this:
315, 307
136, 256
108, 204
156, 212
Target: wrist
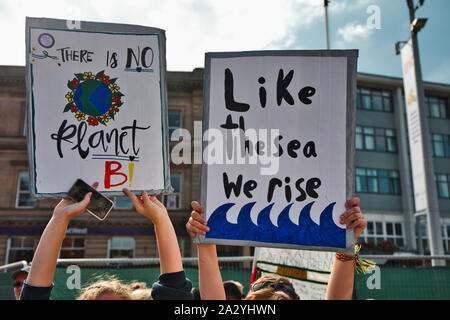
160, 220
60, 218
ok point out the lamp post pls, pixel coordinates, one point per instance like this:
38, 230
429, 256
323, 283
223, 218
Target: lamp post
325, 5
431, 206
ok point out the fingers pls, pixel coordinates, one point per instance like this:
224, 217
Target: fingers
197, 217
194, 227
95, 185
134, 199
198, 224
146, 200
358, 227
85, 202
197, 207
352, 202
359, 223
353, 219
79, 207
155, 200
350, 215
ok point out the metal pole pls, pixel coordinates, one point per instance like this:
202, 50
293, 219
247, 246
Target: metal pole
433, 215
405, 171
325, 4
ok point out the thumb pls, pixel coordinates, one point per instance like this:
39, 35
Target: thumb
81, 206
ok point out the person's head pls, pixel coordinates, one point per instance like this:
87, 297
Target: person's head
19, 277
272, 287
139, 291
232, 291
109, 289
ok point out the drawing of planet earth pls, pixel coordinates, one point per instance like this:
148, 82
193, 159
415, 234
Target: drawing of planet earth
93, 97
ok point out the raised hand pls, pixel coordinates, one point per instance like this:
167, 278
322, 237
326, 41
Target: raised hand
196, 223
68, 209
353, 217
148, 206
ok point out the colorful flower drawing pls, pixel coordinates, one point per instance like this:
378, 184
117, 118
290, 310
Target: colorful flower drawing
95, 99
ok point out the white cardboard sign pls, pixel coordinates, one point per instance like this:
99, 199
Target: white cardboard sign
97, 106
284, 168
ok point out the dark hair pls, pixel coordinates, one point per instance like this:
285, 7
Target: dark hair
232, 291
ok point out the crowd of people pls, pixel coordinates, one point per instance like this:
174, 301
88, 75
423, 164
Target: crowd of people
36, 282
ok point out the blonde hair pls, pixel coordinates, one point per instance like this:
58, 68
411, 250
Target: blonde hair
267, 294
102, 287
272, 287
139, 291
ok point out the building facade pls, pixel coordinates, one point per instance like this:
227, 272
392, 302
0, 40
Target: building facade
382, 175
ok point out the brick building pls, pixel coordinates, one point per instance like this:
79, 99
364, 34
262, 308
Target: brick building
382, 175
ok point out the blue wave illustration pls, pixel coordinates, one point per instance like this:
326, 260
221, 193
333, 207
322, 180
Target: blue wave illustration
307, 232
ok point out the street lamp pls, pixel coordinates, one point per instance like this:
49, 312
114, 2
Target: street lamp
398, 46
422, 166
418, 24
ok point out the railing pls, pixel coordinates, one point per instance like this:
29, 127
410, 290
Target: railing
15, 265
144, 260
396, 277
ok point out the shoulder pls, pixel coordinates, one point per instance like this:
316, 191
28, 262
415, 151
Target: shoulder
35, 293
172, 286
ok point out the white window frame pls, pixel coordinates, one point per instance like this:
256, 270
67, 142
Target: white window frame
446, 235
19, 192
178, 193
123, 248
384, 219
9, 248
72, 248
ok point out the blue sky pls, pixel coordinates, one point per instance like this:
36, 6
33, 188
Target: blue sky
194, 27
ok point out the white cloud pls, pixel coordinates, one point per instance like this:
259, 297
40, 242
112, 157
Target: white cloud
352, 32
192, 27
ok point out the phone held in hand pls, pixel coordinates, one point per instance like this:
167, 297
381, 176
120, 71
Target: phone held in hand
99, 206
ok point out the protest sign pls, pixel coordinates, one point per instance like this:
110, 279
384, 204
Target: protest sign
308, 271
278, 148
97, 106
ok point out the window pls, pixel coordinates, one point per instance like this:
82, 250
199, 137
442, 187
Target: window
122, 202
377, 181
24, 199
174, 123
446, 237
443, 185
173, 200
376, 139
423, 236
441, 145
20, 248
382, 231
437, 107
372, 99
72, 248
121, 247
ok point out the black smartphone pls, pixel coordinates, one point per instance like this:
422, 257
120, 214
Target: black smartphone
99, 206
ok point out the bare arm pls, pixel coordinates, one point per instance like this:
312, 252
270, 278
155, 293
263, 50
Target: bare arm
169, 251
44, 261
210, 279
340, 285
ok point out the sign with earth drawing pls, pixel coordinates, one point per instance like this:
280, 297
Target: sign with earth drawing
97, 106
